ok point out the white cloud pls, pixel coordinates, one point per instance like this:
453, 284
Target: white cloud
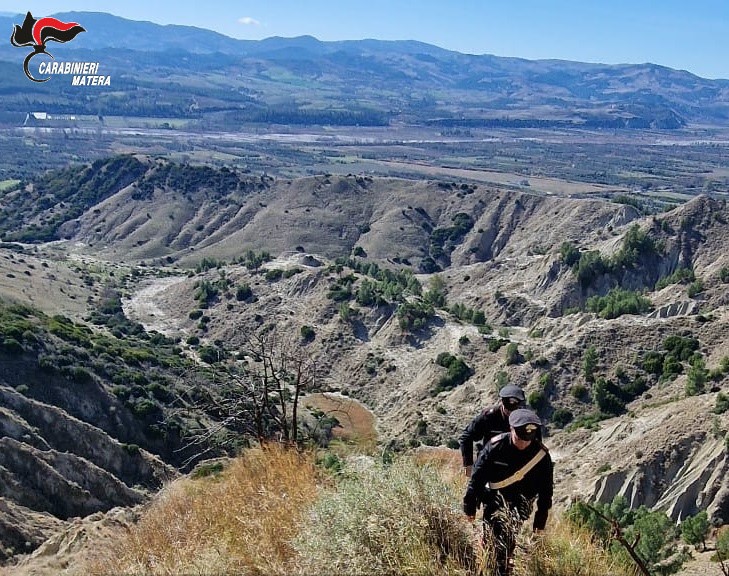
248, 21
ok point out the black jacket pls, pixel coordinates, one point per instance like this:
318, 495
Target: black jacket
499, 460
489, 423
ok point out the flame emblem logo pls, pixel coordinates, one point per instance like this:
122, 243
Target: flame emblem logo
37, 33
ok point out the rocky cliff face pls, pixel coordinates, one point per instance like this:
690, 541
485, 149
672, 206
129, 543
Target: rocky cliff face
54, 466
663, 457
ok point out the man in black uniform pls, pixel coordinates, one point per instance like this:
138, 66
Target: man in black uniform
512, 470
489, 423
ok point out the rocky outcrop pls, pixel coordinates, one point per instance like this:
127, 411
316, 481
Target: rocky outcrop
681, 480
77, 543
663, 457
683, 308
23, 529
48, 427
60, 483
54, 466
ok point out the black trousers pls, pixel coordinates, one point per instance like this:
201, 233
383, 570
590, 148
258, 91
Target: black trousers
502, 521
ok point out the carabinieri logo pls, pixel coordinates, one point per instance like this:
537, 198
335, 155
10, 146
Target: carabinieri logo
36, 33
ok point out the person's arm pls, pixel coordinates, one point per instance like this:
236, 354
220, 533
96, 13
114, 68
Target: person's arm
546, 488
472, 433
477, 483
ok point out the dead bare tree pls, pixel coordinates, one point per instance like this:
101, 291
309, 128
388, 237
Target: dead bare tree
254, 394
277, 370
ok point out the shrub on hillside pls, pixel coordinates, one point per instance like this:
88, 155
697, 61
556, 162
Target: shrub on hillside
458, 372
618, 302
243, 292
682, 347
653, 532
389, 520
414, 315
722, 403
307, 333
569, 253
512, 354
724, 274
680, 276
562, 417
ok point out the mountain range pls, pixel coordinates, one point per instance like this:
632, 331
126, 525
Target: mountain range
186, 72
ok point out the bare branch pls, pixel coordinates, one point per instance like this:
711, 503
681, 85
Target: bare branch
617, 534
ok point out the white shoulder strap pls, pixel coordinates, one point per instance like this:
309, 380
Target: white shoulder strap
519, 474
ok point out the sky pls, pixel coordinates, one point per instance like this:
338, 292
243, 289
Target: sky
688, 35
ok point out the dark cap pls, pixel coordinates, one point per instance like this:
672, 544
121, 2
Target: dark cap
511, 391
523, 417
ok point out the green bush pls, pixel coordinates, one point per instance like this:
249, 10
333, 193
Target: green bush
722, 539
618, 302
388, 519
589, 363
414, 315
722, 403
671, 367
546, 381
458, 372
562, 417
366, 293
682, 347
695, 529
569, 253
608, 397
680, 276
211, 354
696, 377
658, 535
307, 333
512, 354
243, 292
724, 274
590, 267
538, 400
652, 362
496, 343
273, 274
207, 469
696, 287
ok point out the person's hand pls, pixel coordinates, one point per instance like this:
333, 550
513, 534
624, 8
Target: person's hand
467, 471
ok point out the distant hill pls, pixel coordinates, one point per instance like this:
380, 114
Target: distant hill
188, 72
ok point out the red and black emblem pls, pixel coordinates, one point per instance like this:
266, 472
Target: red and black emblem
36, 33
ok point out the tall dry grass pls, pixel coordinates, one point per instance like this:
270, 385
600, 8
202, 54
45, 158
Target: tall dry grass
272, 512
564, 550
241, 522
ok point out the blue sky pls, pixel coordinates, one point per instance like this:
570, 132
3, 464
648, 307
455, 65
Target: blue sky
691, 35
